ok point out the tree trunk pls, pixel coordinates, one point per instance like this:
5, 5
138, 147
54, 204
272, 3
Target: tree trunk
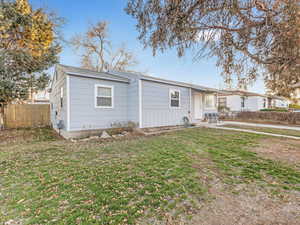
1, 117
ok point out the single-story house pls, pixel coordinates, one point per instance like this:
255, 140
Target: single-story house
296, 94
84, 101
239, 100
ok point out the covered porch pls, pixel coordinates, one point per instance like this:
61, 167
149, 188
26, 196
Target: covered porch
202, 102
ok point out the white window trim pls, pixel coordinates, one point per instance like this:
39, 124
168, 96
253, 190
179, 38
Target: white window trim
214, 102
96, 95
179, 103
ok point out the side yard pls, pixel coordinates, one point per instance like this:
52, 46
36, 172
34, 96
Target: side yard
193, 176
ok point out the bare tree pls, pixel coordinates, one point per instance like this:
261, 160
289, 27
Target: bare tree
97, 51
248, 37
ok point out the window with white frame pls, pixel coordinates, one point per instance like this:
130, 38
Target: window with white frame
209, 101
104, 96
174, 98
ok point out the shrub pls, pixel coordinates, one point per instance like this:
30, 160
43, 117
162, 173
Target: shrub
288, 117
294, 106
263, 116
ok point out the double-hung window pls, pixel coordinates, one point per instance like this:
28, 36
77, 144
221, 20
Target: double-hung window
174, 98
104, 96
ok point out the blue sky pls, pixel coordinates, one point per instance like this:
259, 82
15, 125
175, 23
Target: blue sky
79, 14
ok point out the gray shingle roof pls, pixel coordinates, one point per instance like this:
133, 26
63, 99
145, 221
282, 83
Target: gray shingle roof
126, 76
76, 71
242, 93
161, 80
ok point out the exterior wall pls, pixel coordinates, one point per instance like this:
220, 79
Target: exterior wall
156, 110
252, 103
133, 101
255, 103
57, 112
83, 113
234, 102
281, 103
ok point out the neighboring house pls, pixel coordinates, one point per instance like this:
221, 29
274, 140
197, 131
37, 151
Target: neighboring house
237, 100
84, 101
40, 97
296, 94
277, 102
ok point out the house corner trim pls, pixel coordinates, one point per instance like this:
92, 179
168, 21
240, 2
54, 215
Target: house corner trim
68, 103
140, 105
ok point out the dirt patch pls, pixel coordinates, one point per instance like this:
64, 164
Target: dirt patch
239, 205
18, 136
280, 149
248, 208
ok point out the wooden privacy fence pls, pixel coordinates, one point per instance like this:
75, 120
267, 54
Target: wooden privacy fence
26, 115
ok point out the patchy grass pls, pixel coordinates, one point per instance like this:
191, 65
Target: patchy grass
266, 130
125, 182
71, 183
230, 153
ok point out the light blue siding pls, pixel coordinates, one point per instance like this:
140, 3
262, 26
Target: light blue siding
133, 101
57, 112
83, 113
156, 110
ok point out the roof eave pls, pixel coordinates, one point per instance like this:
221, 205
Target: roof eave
96, 77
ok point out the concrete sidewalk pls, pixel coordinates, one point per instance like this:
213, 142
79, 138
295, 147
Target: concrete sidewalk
219, 126
258, 125
256, 132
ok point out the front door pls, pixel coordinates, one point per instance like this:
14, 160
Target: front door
198, 106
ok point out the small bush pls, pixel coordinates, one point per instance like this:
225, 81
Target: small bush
266, 116
294, 106
288, 117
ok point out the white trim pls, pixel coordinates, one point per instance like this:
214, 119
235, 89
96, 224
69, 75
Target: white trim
140, 104
96, 95
68, 103
170, 98
191, 102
